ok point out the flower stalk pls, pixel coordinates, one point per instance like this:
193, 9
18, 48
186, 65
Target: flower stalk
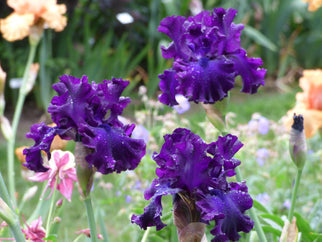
298, 154
294, 194
11, 219
12, 140
51, 208
90, 218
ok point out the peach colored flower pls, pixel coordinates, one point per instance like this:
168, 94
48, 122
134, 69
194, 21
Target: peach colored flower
30, 13
309, 102
313, 4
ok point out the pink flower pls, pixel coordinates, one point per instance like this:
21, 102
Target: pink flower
35, 232
61, 166
87, 232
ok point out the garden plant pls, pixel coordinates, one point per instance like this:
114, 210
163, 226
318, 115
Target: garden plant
212, 131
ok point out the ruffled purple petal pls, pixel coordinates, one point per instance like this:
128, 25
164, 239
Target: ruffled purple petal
223, 19
172, 26
248, 69
91, 102
204, 81
72, 105
43, 137
227, 209
109, 94
113, 149
223, 151
153, 212
183, 160
168, 85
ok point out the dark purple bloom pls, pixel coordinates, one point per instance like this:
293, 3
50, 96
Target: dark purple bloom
207, 58
89, 113
198, 171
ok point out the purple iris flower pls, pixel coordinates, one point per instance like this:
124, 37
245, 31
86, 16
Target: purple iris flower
88, 113
207, 58
196, 171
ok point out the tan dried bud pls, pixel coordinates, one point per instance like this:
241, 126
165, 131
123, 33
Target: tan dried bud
290, 231
33, 73
186, 218
30, 193
3, 76
5, 127
214, 116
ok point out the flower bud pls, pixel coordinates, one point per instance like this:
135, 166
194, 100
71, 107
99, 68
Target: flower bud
59, 203
297, 142
84, 171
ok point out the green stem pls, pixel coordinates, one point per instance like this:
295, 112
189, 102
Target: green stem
4, 192
51, 208
294, 195
15, 122
90, 218
146, 234
17, 233
8, 215
253, 214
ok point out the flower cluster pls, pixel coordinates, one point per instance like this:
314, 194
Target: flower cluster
88, 113
207, 58
29, 13
190, 168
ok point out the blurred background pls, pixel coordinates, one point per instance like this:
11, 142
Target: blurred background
119, 38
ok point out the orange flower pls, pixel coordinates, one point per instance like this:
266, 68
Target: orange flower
313, 4
30, 13
309, 102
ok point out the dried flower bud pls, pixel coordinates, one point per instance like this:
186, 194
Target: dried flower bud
214, 116
297, 141
290, 231
5, 127
33, 72
30, 193
186, 219
3, 76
